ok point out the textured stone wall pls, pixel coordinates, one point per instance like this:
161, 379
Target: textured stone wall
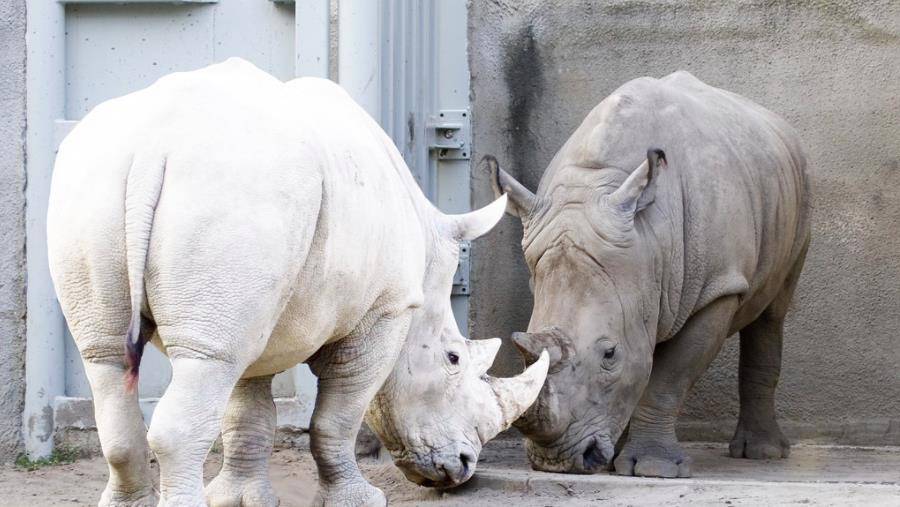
830, 67
12, 226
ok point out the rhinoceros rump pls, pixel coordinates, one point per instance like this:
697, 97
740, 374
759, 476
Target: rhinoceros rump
244, 225
643, 262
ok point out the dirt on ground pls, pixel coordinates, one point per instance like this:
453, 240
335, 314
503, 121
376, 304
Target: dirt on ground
816, 475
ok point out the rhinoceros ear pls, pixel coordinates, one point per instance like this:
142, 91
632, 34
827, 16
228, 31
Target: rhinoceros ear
638, 190
521, 200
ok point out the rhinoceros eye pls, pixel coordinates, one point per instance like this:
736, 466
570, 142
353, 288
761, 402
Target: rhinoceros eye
453, 357
609, 353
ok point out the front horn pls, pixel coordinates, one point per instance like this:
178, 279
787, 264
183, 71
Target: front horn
516, 394
552, 340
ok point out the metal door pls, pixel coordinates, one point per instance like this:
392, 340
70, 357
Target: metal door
403, 60
424, 107
82, 52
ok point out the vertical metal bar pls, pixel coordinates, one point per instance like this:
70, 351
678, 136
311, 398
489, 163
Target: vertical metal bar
389, 65
359, 69
419, 85
45, 326
452, 183
400, 90
311, 23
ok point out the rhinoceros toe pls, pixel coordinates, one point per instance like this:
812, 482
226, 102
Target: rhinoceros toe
653, 459
228, 490
359, 494
760, 444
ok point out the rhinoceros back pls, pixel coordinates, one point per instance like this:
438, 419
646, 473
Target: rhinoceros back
257, 175
731, 209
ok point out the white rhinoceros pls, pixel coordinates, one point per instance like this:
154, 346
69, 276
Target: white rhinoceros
244, 225
640, 272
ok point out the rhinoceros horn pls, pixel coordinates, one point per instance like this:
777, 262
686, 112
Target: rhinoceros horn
516, 394
473, 224
483, 353
554, 341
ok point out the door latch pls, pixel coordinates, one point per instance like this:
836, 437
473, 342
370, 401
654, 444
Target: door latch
450, 135
461, 277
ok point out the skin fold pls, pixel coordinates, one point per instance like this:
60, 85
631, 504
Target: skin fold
243, 225
675, 216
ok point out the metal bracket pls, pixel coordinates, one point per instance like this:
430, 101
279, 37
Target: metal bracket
450, 135
461, 277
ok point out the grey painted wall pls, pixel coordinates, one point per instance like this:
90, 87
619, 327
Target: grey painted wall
12, 226
830, 67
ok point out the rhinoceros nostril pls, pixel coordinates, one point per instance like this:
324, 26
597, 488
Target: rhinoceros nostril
593, 457
464, 460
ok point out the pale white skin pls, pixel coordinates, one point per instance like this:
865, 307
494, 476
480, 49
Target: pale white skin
256, 225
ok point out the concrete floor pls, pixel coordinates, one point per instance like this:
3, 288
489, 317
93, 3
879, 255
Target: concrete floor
818, 475
808, 463
814, 475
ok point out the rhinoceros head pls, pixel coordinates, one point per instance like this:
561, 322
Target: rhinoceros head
588, 276
439, 406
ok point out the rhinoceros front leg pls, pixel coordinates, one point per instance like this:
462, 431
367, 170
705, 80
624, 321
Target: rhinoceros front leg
350, 372
248, 435
652, 449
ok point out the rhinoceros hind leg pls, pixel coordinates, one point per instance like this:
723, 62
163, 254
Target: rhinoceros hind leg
758, 435
122, 434
652, 449
186, 422
350, 372
248, 435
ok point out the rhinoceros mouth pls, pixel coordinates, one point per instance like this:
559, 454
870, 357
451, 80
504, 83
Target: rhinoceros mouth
587, 456
438, 470
597, 455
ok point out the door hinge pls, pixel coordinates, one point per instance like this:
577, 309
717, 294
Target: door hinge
461, 277
450, 135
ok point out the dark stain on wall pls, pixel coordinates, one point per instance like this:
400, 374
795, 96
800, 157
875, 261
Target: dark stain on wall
523, 72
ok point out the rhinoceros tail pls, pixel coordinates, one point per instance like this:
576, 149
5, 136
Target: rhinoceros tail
142, 191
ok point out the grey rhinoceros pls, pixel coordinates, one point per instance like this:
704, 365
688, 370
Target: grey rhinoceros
244, 225
643, 262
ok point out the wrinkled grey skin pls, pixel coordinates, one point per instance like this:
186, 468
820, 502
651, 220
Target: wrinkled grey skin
638, 281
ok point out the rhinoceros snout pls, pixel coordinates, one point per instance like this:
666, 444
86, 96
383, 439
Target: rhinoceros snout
596, 456
439, 471
592, 455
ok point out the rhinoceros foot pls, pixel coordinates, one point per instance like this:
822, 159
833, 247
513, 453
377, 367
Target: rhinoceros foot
359, 494
143, 498
653, 458
228, 490
762, 443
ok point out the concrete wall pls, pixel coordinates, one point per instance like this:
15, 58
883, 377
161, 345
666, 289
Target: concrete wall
12, 225
830, 67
